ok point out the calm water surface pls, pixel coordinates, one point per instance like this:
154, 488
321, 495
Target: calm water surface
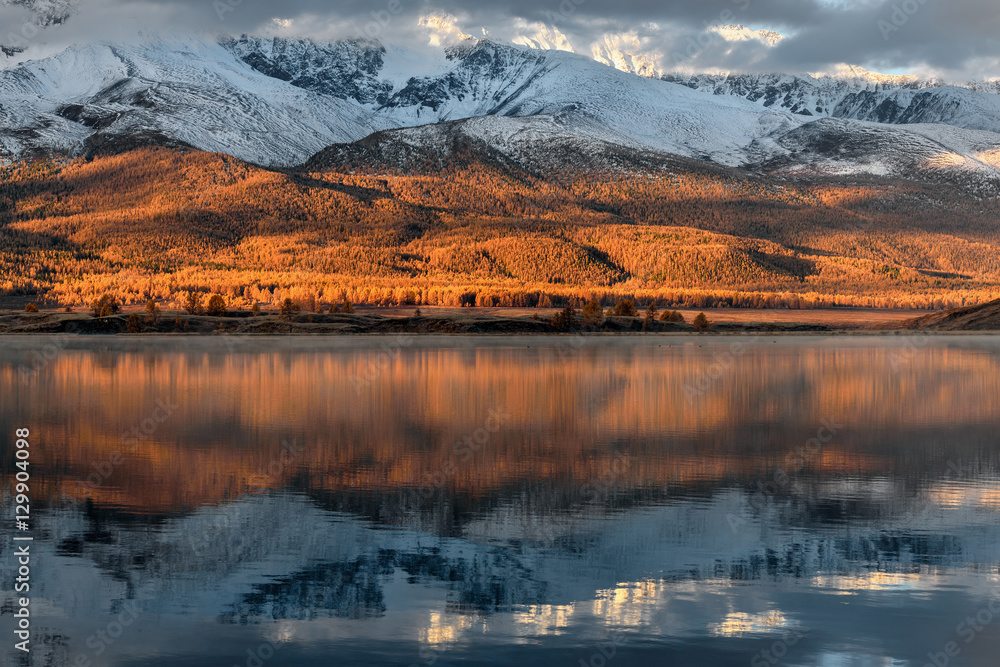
699, 501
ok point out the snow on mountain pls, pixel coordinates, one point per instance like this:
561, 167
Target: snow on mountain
482, 74
496, 79
348, 70
47, 12
865, 97
190, 92
443, 29
837, 147
277, 101
538, 143
861, 75
947, 105
799, 94
541, 36
486, 78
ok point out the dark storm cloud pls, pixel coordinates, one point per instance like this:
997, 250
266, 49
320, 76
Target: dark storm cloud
946, 35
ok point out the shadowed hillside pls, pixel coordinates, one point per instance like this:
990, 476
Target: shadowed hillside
976, 318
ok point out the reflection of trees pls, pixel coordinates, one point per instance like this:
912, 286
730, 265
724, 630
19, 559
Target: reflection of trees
570, 414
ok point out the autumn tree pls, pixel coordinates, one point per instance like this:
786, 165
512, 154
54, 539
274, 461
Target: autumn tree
133, 324
105, 306
593, 313
625, 308
289, 309
701, 323
152, 312
217, 306
564, 320
193, 302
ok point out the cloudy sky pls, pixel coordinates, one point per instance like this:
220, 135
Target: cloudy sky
955, 39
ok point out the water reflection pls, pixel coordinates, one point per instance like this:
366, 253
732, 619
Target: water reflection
506, 501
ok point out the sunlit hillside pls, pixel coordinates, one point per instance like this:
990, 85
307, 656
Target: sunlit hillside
158, 223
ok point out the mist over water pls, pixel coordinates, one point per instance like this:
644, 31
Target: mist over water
556, 501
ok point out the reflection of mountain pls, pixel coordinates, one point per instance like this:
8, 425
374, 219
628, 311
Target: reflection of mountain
486, 582
345, 590
278, 558
281, 557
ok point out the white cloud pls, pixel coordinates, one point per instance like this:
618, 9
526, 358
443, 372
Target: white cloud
443, 29
629, 52
741, 33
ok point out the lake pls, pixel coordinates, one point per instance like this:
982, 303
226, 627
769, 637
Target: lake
488, 501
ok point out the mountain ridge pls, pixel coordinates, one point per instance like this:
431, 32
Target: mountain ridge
280, 102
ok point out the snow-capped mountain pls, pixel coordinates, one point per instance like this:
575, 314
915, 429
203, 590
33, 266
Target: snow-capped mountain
193, 93
860, 95
567, 141
276, 101
800, 94
346, 70
490, 79
935, 152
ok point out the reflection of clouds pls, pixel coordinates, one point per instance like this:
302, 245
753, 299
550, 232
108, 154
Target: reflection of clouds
444, 628
642, 606
456, 593
738, 624
545, 619
874, 581
630, 604
982, 494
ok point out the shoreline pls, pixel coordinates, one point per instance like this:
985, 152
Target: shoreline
464, 322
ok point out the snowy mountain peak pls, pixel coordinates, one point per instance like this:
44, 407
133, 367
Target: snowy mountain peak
346, 70
860, 74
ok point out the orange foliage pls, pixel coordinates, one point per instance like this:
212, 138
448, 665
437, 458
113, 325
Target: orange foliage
159, 223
